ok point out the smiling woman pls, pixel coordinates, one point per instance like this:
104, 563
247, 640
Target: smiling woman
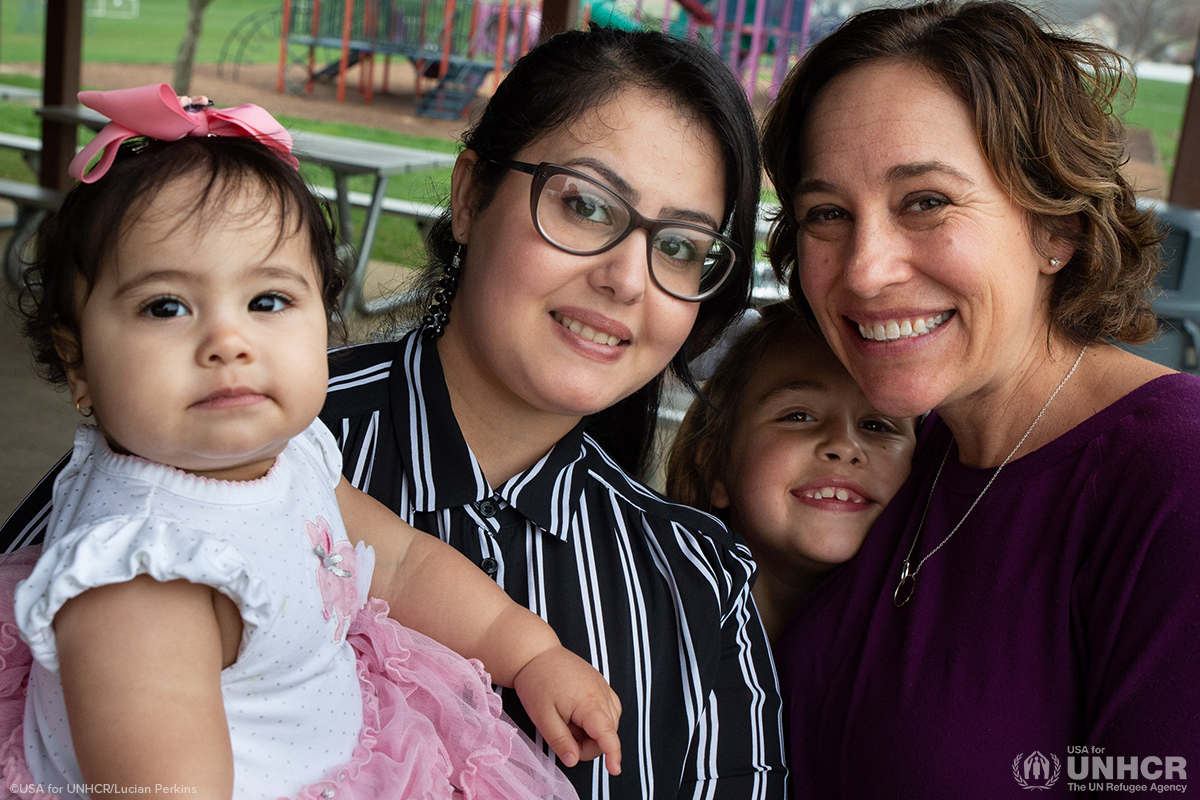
599, 215
955, 220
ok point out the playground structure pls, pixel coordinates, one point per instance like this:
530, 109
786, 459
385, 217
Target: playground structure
459, 43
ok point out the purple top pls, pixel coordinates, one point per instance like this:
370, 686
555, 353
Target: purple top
1065, 612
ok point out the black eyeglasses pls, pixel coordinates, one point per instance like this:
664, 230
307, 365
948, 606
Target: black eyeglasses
579, 215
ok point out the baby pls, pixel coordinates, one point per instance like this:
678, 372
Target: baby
194, 618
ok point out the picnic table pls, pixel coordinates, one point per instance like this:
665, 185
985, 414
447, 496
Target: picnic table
342, 156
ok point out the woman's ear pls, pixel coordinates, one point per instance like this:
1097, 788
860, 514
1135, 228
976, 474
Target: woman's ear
67, 346
1057, 259
1059, 246
463, 195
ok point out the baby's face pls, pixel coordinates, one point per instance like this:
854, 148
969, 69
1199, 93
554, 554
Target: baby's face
203, 339
812, 462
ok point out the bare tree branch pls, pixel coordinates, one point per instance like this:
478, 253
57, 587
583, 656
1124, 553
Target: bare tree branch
187, 46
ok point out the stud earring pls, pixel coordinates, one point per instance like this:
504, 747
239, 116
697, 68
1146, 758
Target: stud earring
84, 412
435, 320
1055, 263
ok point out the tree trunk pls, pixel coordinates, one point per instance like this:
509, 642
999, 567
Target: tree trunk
187, 47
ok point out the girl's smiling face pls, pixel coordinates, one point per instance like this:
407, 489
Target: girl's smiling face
203, 339
812, 463
919, 266
519, 295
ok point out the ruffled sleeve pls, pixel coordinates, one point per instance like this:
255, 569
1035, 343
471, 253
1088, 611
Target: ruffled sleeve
325, 448
118, 550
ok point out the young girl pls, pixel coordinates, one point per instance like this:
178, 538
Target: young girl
193, 615
790, 455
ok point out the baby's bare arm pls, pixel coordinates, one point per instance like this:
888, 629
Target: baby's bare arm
140, 665
430, 587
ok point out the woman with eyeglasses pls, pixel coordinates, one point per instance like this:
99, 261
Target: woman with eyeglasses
602, 212
601, 217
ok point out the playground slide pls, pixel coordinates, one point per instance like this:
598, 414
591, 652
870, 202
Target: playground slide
605, 13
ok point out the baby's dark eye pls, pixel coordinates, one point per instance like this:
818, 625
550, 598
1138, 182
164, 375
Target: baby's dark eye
797, 416
269, 303
164, 307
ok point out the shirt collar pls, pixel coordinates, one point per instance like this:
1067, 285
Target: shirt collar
443, 470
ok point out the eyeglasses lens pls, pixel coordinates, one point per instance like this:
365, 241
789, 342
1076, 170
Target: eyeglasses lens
585, 218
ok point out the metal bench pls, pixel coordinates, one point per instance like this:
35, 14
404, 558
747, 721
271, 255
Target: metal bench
28, 145
424, 213
1177, 301
33, 202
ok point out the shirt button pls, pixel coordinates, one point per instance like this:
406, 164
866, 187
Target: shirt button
489, 508
490, 566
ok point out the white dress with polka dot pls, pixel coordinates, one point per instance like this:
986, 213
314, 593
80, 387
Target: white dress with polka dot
292, 698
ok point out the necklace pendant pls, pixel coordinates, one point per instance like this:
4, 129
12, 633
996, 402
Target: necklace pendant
904, 589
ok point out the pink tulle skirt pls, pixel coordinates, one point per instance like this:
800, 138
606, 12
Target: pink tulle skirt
432, 726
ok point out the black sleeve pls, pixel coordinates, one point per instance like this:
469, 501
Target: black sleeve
27, 524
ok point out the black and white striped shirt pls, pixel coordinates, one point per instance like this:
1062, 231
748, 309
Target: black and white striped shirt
655, 595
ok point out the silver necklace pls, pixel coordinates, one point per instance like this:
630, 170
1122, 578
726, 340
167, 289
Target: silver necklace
908, 578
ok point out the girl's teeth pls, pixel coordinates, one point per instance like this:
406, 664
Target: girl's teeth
892, 330
586, 332
829, 492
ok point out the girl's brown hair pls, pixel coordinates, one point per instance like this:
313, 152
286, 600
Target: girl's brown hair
705, 437
1043, 107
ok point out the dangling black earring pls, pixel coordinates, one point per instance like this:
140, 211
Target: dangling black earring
434, 321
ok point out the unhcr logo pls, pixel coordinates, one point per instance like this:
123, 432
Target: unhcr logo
1090, 770
1034, 771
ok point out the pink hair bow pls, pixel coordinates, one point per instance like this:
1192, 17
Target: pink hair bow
154, 111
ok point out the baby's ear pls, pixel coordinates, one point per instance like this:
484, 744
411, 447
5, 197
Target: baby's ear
69, 353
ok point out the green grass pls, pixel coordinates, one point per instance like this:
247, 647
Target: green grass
1158, 107
152, 38
396, 239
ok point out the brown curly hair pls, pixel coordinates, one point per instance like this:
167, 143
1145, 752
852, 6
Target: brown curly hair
1043, 108
73, 243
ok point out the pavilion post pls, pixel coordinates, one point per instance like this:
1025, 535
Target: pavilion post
558, 16
60, 85
1185, 184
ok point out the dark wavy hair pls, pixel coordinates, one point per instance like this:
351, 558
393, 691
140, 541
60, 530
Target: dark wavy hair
1043, 108
74, 242
559, 82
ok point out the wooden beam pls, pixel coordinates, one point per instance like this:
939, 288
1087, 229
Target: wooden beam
558, 16
1185, 184
60, 85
